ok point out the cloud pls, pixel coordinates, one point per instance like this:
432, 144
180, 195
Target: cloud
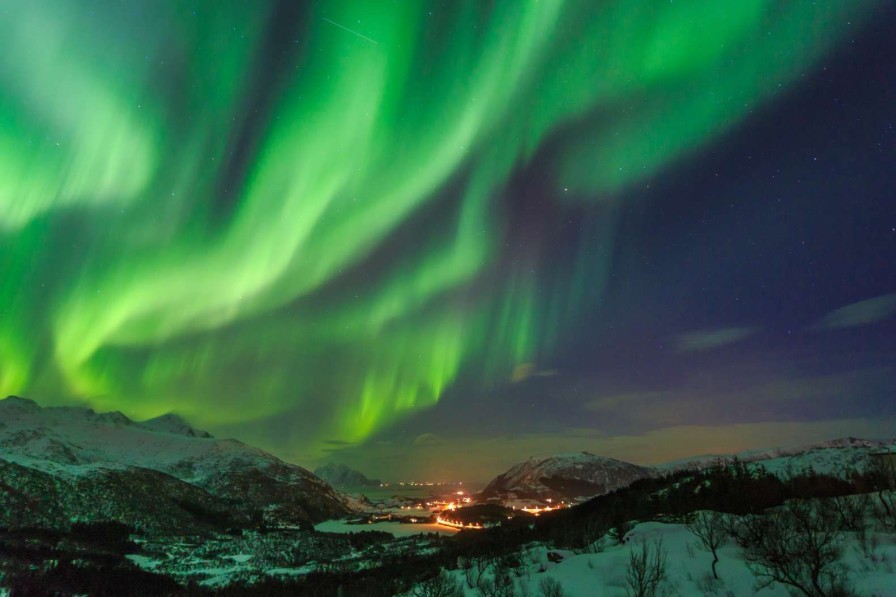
524, 371
864, 312
427, 439
744, 390
709, 339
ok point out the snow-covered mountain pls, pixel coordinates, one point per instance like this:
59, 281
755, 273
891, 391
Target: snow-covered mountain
836, 457
63, 463
341, 475
581, 475
565, 476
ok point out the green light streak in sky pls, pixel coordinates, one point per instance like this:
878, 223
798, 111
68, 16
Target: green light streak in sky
241, 213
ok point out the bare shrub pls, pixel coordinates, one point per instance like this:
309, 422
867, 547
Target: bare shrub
470, 577
440, 585
851, 513
710, 529
796, 545
514, 563
550, 587
464, 563
529, 557
620, 530
646, 569
731, 523
596, 546
884, 509
710, 586
882, 474
593, 529
476, 571
500, 583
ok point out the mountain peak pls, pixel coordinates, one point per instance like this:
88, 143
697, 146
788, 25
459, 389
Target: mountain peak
172, 423
570, 475
19, 403
341, 475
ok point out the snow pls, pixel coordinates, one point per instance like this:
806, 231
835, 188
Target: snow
290, 571
171, 423
76, 441
830, 457
144, 562
526, 478
220, 577
688, 568
396, 528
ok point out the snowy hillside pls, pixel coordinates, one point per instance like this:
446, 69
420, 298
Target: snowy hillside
71, 440
687, 571
565, 476
581, 475
69, 446
834, 457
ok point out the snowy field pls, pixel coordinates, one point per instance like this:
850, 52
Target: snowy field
688, 568
396, 528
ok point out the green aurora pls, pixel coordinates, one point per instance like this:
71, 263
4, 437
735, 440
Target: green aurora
301, 209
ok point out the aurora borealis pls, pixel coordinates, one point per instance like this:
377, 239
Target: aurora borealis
310, 222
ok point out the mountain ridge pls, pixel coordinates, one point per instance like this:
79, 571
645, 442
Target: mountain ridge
74, 451
578, 475
563, 476
341, 475
828, 456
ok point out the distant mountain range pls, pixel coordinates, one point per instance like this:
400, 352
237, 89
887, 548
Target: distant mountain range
65, 464
342, 476
582, 475
833, 457
62, 464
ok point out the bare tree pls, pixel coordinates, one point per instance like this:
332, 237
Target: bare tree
884, 509
647, 569
593, 530
851, 512
710, 529
619, 531
881, 471
500, 584
440, 585
550, 587
796, 545
882, 474
476, 571
529, 557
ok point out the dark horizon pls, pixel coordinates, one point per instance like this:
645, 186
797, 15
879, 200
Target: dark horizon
477, 484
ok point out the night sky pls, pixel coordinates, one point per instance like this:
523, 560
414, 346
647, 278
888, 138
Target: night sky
432, 239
